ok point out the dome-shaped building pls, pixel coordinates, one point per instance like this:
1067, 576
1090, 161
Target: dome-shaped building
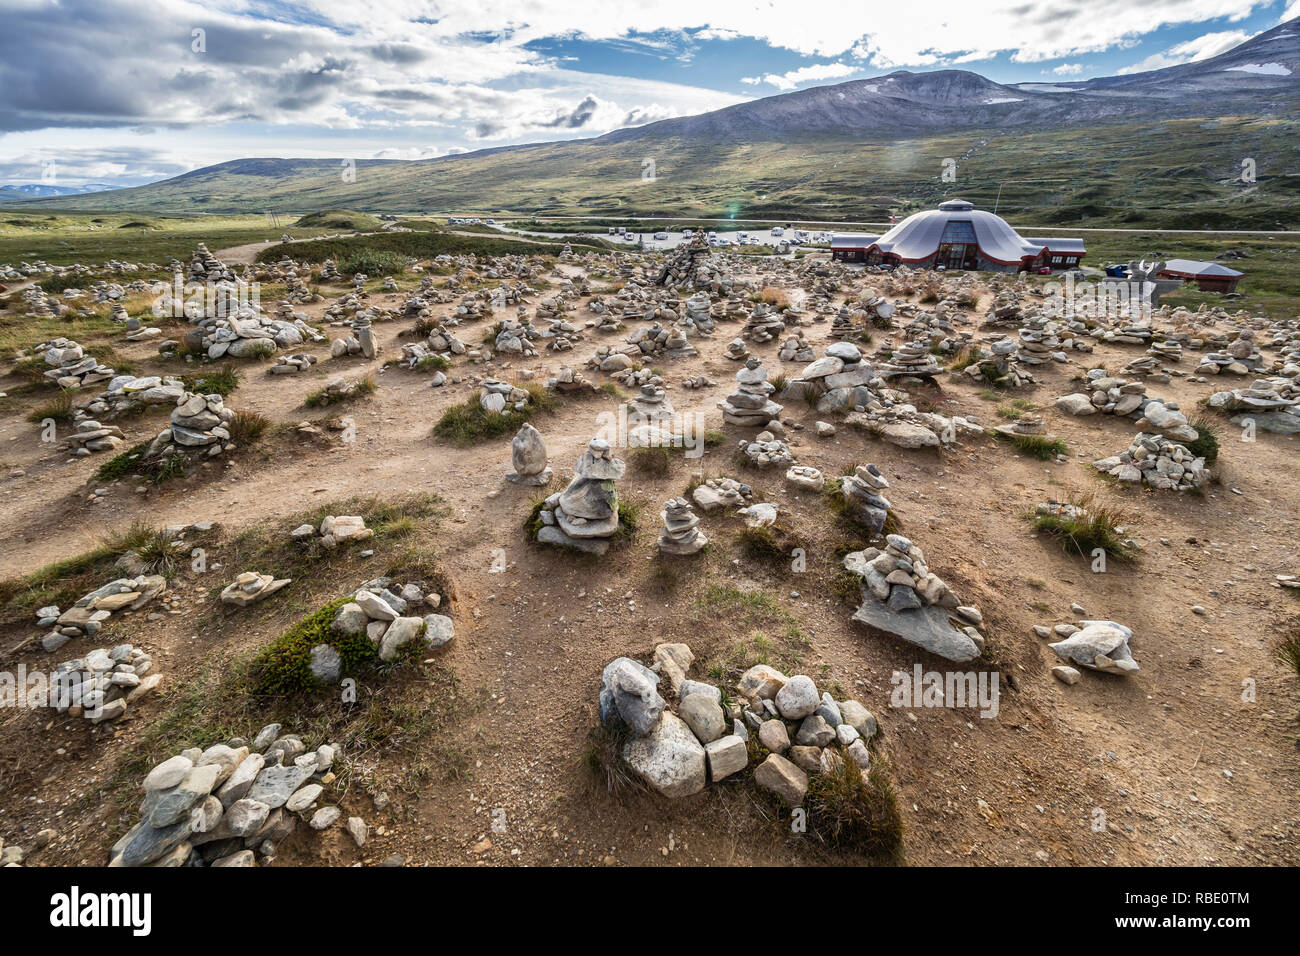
957, 236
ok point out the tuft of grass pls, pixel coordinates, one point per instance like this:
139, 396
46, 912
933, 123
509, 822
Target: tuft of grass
1036, 446
220, 381
852, 811
247, 428
770, 544
1288, 651
469, 423
1098, 527
323, 398
652, 462
1206, 444
59, 409
603, 756
432, 363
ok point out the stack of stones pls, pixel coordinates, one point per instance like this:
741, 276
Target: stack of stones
1026, 426
90, 436
764, 324
722, 493
650, 405
529, 458
766, 450
678, 754
101, 685
689, 265
806, 478
796, 349
497, 396
1096, 645
90, 612
379, 609
1241, 357
998, 367
249, 334
1157, 462
1273, 404
515, 338
232, 804
198, 423
737, 351
127, 391
1130, 333
137, 331
566, 380
584, 515
251, 587
71, 367
335, 530
292, 364
900, 576
681, 534
912, 360
670, 342
440, 340
843, 325
839, 379
363, 335
750, 405
1107, 394
698, 313
205, 267
863, 499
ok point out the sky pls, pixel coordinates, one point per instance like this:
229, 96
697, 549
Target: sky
125, 92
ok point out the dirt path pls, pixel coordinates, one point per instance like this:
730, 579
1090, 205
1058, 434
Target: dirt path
1183, 769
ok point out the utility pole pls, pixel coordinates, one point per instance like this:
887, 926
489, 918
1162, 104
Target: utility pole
998, 200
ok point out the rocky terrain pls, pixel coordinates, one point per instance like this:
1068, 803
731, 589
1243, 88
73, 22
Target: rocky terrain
615, 558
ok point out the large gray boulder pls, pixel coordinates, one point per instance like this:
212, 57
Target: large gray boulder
629, 694
669, 759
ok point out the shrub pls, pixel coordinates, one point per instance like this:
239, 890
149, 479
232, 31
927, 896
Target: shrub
1206, 444
1036, 446
59, 409
374, 262
654, 462
284, 666
1097, 526
853, 812
220, 381
323, 398
247, 428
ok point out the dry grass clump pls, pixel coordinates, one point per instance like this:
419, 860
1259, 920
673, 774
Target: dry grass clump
1100, 525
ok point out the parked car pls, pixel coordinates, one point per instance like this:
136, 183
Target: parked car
661, 236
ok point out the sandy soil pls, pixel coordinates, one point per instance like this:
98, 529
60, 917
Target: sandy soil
1184, 770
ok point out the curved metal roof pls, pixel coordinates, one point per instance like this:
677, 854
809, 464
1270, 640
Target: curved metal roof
919, 235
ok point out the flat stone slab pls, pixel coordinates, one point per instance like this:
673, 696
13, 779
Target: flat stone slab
926, 627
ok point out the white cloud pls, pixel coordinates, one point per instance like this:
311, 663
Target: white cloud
1189, 51
805, 74
1068, 69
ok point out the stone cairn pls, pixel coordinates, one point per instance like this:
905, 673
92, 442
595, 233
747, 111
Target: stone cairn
678, 754
911, 360
1096, 645
89, 436
839, 379
764, 325
903, 597
379, 609
584, 515
722, 493
101, 685
199, 423
251, 587
1157, 462
292, 364
689, 265
497, 396
360, 342
334, 530
1272, 404
232, 804
750, 404
865, 504
766, 450
681, 534
529, 458
70, 366
89, 613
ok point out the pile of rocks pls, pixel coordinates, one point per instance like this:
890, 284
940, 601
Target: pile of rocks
498, 396
678, 753
70, 366
722, 493
750, 405
101, 685
89, 613
862, 498
1026, 426
249, 333
660, 341
736, 350
1107, 394
584, 516
1096, 645
292, 364
334, 530
681, 534
903, 425
805, 478
379, 609
329, 271
205, 267
796, 349
529, 458
911, 360
764, 324
516, 338
839, 379
690, 265
232, 804
999, 367
903, 597
1157, 462
1241, 357
198, 424
89, 436
766, 450
251, 587
1273, 404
